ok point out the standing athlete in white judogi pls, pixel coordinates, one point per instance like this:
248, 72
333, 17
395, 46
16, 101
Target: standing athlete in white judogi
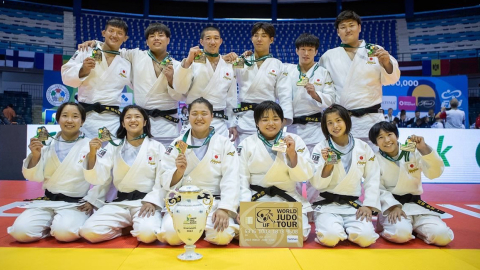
100, 82
136, 168
262, 78
313, 91
340, 215
153, 82
401, 186
358, 76
214, 80
264, 170
209, 163
68, 200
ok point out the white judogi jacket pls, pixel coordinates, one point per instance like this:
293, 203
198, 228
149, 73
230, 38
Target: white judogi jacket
143, 175
64, 177
304, 104
363, 164
104, 84
405, 178
217, 171
359, 83
219, 87
152, 92
258, 168
269, 82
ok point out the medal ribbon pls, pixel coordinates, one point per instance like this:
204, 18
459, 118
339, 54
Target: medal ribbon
405, 154
368, 46
336, 151
165, 60
108, 51
211, 54
267, 143
305, 74
52, 134
212, 132
252, 61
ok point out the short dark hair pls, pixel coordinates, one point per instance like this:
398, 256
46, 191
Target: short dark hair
267, 105
201, 100
119, 23
210, 28
122, 131
157, 27
385, 126
80, 108
342, 112
417, 111
267, 27
307, 40
347, 15
10, 105
403, 112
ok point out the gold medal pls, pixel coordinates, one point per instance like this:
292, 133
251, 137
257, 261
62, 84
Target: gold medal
104, 134
332, 158
238, 63
97, 55
302, 81
181, 146
409, 146
201, 58
280, 146
42, 134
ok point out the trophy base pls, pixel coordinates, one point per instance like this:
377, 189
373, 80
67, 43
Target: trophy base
189, 254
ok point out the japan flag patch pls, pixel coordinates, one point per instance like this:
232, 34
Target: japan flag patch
216, 159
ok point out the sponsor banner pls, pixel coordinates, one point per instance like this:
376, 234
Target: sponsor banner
271, 224
424, 93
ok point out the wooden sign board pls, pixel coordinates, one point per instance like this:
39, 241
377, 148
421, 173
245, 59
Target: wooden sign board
271, 224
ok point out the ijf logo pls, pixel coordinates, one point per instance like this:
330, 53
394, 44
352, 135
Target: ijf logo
57, 94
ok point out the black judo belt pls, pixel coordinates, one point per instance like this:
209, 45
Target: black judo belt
270, 191
130, 196
220, 114
363, 111
244, 106
49, 196
410, 198
303, 120
200, 197
165, 114
340, 199
99, 108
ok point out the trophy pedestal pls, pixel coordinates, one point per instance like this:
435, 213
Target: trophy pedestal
190, 254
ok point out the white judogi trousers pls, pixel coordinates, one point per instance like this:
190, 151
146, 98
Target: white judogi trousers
332, 228
107, 223
430, 228
37, 223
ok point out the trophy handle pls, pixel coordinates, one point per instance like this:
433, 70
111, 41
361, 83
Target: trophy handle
169, 202
208, 201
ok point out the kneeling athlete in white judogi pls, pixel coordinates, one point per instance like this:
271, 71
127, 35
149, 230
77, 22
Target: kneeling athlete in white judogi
210, 163
68, 200
401, 186
136, 168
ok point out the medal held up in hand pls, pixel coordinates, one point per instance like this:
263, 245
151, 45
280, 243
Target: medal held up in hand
280, 145
332, 158
238, 63
302, 81
181, 146
201, 58
372, 49
104, 134
42, 134
409, 145
97, 55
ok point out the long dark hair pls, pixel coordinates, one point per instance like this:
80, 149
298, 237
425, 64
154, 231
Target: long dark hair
122, 131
